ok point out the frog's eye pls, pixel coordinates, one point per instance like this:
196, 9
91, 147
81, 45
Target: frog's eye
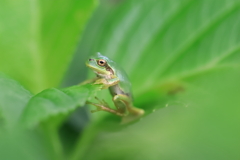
101, 62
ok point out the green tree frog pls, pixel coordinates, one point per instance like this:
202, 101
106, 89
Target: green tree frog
111, 76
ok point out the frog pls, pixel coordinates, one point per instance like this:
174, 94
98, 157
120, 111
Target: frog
111, 76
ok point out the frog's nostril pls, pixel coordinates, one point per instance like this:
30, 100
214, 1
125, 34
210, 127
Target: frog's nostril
91, 59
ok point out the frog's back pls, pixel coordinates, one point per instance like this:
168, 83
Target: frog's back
124, 86
124, 83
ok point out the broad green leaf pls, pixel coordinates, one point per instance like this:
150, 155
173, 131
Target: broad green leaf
56, 102
161, 42
38, 39
19, 144
177, 54
13, 99
205, 128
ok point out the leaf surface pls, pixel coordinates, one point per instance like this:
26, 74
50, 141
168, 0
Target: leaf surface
181, 54
56, 102
13, 99
38, 39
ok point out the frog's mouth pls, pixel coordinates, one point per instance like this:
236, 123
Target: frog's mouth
101, 74
97, 71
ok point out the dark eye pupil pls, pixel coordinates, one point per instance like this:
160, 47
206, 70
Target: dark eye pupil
101, 62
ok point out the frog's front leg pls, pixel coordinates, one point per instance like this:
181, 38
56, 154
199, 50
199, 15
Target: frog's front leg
89, 81
107, 82
124, 104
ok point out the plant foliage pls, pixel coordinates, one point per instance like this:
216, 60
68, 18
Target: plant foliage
182, 58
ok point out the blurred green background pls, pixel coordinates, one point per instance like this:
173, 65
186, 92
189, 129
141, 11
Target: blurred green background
182, 57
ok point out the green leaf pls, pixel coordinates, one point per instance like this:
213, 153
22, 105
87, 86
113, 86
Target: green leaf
182, 41
18, 144
207, 127
56, 102
177, 54
38, 39
13, 99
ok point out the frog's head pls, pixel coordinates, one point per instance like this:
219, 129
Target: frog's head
100, 65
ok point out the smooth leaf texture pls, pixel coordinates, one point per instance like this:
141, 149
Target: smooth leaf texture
184, 40
181, 54
13, 99
54, 102
38, 39
19, 144
204, 128
182, 57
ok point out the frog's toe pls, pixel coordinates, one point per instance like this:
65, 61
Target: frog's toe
102, 102
96, 110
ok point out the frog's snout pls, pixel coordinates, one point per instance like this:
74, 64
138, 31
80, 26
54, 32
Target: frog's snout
91, 59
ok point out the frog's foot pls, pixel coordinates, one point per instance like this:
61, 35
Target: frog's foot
103, 102
107, 83
89, 81
103, 82
103, 106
